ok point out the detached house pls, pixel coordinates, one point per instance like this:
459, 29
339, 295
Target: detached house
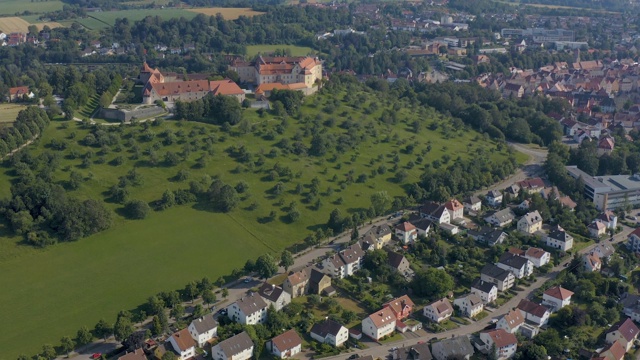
487, 235
455, 209
530, 222
503, 279
274, 295
399, 263
494, 198
438, 311
18, 93
633, 240
469, 305
379, 324
435, 212
597, 229
237, 347
203, 329
249, 310
379, 236
604, 251
559, 239
608, 218
330, 332
296, 284
285, 345
183, 344
631, 306
591, 262
518, 265
455, 348
501, 218
504, 343
614, 351
487, 291
137, 354
472, 203
534, 313
414, 352
319, 283
345, 263
556, 298
625, 332
406, 233
423, 226
401, 307
511, 322
537, 256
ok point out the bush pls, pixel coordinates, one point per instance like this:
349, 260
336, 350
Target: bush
137, 209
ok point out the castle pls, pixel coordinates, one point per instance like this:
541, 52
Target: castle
297, 73
168, 88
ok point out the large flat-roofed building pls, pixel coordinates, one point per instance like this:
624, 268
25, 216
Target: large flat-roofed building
609, 191
540, 35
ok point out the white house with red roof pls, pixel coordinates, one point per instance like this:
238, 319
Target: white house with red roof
406, 232
438, 311
511, 321
556, 298
633, 240
401, 307
285, 345
606, 145
504, 343
625, 332
597, 229
537, 256
591, 262
455, 209
536, 313
614, 351
183, 344
379, 324
18, 93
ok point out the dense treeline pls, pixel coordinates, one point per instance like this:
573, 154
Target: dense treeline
29, 124
211, 109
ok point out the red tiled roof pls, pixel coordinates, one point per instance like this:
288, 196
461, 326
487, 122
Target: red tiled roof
183, 339
181, 87
20, 90
405, 226
501, 338
616, 349
398, 304
536, 253
453, 204
225, 87
559, 292
287, 340
532, 308
382, 317
627, 329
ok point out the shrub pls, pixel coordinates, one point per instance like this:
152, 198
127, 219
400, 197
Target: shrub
137, 209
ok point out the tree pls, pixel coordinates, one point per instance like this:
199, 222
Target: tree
266, 266
83, 337
532, 352
123, 327
157, 327
67, 344
286, 260
137, 209
225, 293
432, 283
48, 352
209, 297
155, 305
103, 329
191, 290
169, 355
381, 201
177, 312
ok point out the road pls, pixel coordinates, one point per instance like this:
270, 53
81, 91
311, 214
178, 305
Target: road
382, 351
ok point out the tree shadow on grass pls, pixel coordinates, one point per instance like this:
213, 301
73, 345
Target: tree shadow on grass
356, 210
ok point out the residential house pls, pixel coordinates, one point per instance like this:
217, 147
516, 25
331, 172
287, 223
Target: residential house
513, 190
504, 343
379, 324
472, 203
511, 321
237, 347
18, 93
438, 311
469, 305
487, 291
285, 345
413, 352
406, 232
559, 239
399, 263
531, 185
248, 310
450, 228
296, 283
631, 305
597, 229
455, 209
330, 332
401, 307
319, 283
454, 348
379, 235
435, 212
504, 279
608, 218
518, 265
605, 145
345, 263
535, 313
625, 332
137, 354
423, 226
524, 205
274, 295
494, 198
530, 222
633, 240
183, 344
500, 218
537, 256
203, 329
556, 298
591, 262
604, 251
487, 235
614, 351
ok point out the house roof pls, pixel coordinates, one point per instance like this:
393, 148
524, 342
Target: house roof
415, 352
495, 272
225, 87
382, 317
429, 207
236, 344
136, 354
179, 87
317, 276
183, 339
532, 308
379, 231
287, 340
405, 227
471, 200
299, 277
560, 235
534, 183
270, 292
503, 215
532, 218
494, 194
394, 259
454, 347
635, 232
513, 261
398, 304
568, 202
20, 90
535, 253
325, 327
453, 205
559, 292
473, 299
501, 338
251, 304
596, 225
514, 318
606, 143
592, 260
484, 286
422, 224
616, 349
604, 250
606, 216
442, 307
205, 323
627, 329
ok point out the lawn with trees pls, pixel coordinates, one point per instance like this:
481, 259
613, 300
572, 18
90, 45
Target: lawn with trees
217, 194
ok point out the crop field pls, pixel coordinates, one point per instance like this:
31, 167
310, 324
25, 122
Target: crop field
253, 50
16, 24
9, 112
55, 291
11, 7
227, 13
109, 17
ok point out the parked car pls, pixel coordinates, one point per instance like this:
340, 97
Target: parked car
247, 280
354, 356
96, 355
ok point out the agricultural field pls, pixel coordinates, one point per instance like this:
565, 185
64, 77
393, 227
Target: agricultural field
253, 50
227, 13
9, 112
57, 290
11, 7
16, 24
109, 17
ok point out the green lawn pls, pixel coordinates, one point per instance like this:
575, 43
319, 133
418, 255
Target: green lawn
89, 109
55, 291
253, 50
11, 7
109, 17
9, 112
92, 23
